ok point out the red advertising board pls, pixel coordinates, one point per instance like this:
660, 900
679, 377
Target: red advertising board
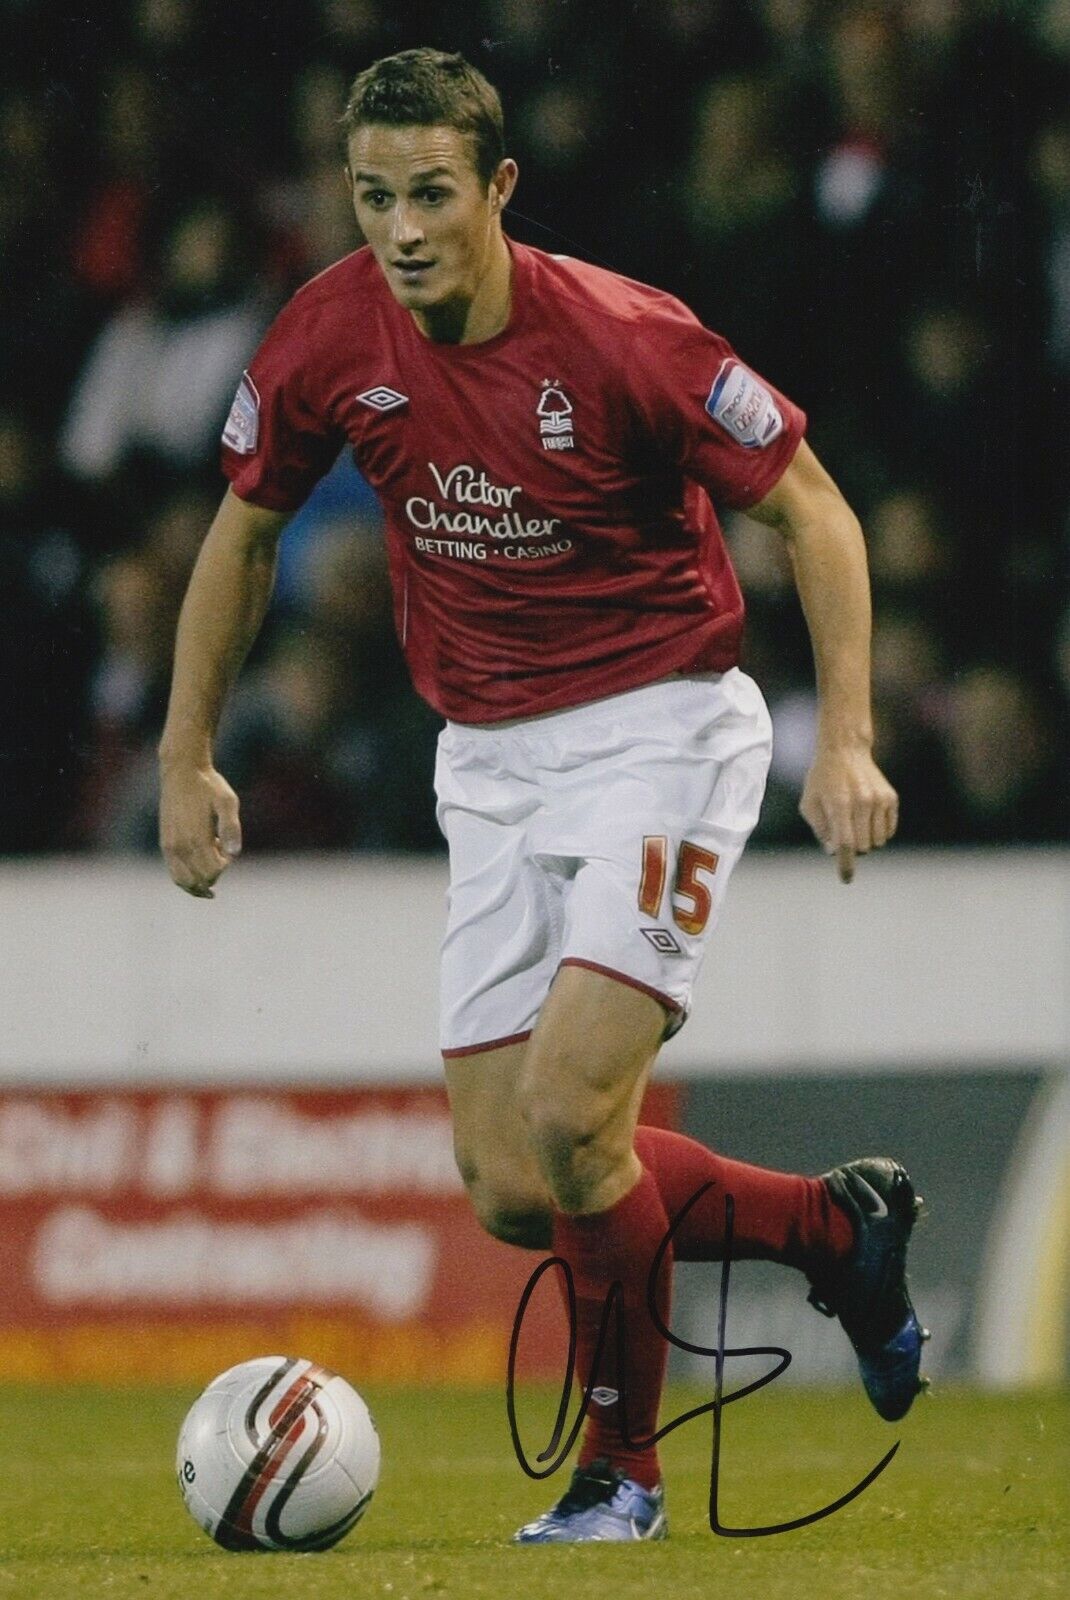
166, 1234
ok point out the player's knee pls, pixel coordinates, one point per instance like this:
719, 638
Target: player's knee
557, 1129
572, 1142
510, 1211
467, 1165
513, 1218
530, 1229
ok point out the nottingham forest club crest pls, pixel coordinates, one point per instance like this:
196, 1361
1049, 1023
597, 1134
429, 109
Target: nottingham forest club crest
554, 412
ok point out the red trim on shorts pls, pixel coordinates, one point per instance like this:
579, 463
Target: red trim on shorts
622, 977
490, 1044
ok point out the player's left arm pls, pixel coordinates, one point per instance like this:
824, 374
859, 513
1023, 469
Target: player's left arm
847, 800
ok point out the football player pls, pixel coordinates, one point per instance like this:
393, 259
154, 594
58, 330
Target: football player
549, 441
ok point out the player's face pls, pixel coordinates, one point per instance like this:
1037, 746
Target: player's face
429, 218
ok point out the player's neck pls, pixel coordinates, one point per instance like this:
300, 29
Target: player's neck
484, 315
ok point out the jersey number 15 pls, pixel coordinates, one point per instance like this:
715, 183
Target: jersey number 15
693, 915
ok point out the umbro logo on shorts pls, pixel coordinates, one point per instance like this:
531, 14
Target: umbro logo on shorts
382, 399
662, 940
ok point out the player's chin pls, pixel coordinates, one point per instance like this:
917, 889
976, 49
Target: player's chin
421, 290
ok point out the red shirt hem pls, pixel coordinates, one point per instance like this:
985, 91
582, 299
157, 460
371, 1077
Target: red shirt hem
713, 650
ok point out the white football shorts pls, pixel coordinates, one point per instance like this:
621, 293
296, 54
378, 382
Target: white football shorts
602, 836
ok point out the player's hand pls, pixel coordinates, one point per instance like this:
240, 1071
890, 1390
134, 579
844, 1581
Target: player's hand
200, 834
849, 804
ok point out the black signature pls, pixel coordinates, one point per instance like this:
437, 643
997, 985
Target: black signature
556, 1451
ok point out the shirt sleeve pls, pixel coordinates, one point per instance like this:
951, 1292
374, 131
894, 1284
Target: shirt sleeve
718, 421
278, 442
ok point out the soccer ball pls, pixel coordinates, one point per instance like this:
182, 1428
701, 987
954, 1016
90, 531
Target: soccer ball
278, 1454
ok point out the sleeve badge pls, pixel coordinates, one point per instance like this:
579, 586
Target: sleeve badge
743, 406
243, 424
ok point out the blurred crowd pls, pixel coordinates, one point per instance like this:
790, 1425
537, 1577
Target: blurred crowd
870, 200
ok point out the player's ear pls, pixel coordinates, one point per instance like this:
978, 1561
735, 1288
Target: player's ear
502, 185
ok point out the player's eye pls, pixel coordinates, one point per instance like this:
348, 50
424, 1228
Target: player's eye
376, 198
432, 194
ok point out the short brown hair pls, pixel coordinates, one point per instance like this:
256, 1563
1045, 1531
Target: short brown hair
430, 88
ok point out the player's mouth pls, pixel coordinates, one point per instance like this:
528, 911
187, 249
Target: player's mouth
412, 271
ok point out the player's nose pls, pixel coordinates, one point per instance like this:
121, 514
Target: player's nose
406, 230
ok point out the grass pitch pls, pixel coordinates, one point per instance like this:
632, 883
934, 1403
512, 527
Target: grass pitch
974, 1505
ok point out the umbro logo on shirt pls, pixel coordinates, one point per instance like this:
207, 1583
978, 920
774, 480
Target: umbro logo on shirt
382, 399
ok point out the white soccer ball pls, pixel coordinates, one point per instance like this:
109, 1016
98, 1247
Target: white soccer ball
278, 1454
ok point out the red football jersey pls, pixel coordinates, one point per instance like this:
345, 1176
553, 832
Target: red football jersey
546, 492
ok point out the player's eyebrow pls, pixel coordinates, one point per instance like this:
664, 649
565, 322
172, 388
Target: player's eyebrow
417, 177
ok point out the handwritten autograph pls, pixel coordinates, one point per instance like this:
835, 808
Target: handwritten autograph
556, 1451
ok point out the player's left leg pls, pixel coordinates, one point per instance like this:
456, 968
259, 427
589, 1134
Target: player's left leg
579, 1091
494, 1156
616, 1188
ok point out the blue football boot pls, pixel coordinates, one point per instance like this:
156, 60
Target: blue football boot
601, 1504
868, 1292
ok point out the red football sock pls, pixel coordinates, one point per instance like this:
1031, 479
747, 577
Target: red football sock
778, 1216
618, 1245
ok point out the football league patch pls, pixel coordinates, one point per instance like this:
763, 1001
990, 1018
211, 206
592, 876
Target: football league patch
743, 406
243, 424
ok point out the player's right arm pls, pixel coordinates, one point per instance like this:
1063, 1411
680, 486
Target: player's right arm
224, 607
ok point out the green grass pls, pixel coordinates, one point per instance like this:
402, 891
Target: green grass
974, 1505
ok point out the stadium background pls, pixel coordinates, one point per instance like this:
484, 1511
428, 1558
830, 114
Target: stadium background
220, 1128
